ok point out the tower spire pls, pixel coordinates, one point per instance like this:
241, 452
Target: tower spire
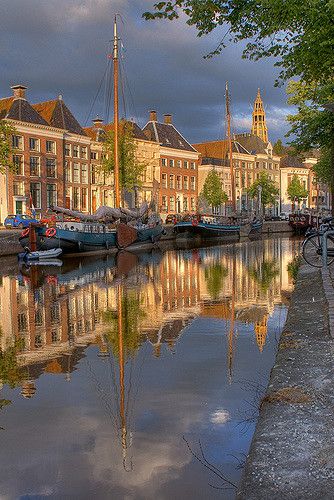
259, 126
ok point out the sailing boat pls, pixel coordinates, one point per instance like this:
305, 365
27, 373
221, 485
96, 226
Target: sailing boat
109, 227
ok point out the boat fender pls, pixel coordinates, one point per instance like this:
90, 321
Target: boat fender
50, 232
25, 232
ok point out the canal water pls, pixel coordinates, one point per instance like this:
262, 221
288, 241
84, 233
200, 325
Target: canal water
138, 376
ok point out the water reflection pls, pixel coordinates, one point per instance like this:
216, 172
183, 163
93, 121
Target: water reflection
109, 328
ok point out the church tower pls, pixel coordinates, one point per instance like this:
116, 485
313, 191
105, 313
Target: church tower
259, 126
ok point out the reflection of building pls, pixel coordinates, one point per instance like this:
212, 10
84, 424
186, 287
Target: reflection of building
240, 284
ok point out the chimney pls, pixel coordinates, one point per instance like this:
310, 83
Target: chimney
153, 116
168, 119
97, 121
19, 91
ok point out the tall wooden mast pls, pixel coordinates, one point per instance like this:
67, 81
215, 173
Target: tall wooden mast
116, 169
229, 138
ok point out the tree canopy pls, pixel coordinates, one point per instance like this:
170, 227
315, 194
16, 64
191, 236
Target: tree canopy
6, 132
279, 148
212, 190
269, 191
296, 191
298, 34
130, 168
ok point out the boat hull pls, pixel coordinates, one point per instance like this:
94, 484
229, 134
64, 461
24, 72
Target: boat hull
205, 230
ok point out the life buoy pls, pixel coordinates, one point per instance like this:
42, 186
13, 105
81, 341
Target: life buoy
194, 222
50, 232
25, 232
302, 219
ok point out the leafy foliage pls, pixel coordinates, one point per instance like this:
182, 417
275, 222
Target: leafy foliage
296, 191
6, 132
264, 274
130, 169
288, 31
214, 277
212, 190
10, 372
279, 149
269, 191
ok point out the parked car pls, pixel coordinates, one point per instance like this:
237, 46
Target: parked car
173, 218
284, 216
18, 220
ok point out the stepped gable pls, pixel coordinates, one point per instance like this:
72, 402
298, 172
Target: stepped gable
19, 109
57, 114
96, 132
167, 136
253, 143
219, 149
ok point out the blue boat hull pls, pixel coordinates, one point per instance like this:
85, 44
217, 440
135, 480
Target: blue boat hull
206, 230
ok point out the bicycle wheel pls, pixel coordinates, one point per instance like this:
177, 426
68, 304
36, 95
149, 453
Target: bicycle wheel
312, 250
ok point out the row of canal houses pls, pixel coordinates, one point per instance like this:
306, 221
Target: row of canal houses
58, 162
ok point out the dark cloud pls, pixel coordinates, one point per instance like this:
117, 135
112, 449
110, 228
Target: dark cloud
61, 47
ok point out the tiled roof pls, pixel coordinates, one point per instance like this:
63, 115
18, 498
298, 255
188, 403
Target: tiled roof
95, 132
292, 161
57, 114
167, 136
19, 109
252, 143
219, 149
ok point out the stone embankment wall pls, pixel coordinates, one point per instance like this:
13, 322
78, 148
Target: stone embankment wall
292, 452
9, 242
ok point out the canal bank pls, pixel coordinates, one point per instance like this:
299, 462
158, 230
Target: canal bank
292, 451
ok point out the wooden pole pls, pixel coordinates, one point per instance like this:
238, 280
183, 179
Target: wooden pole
116, 120
228, 119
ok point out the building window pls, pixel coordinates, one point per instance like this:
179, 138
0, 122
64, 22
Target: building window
185, 204
164, 162
171, 181
93, 155
185, 182
179, 163
51, 167
84, 174
67, 149
164, 180
84, 152
243, 164
84, 197
93, 174
35, 191
50, 147
68, 176
193, 204
18, 188
75, 198
51, 195
18, 164
192, 183
33, 144
171, 203
185, 164
34, 165
193, 165
171, 163
164, 203
76, 151
17, 142
76, 172
179, 182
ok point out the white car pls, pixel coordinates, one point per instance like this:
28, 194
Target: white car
283, 216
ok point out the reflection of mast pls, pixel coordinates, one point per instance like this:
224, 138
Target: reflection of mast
229, 138
121, 377
232, 318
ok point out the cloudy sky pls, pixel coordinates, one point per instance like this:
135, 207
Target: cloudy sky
60, 47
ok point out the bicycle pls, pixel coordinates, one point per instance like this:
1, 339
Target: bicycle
312, 245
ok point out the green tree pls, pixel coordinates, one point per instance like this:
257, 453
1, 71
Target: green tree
296, 191
214, 277
279, 149
212, 190
313, 125
264, 273
130, 168
269, 191
298, 34
6, 132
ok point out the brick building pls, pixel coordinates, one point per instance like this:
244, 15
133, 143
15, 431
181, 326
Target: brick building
178, 167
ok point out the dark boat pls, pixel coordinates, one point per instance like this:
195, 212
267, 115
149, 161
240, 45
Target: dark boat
206, 228
300, 222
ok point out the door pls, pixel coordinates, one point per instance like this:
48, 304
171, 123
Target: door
18, 207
